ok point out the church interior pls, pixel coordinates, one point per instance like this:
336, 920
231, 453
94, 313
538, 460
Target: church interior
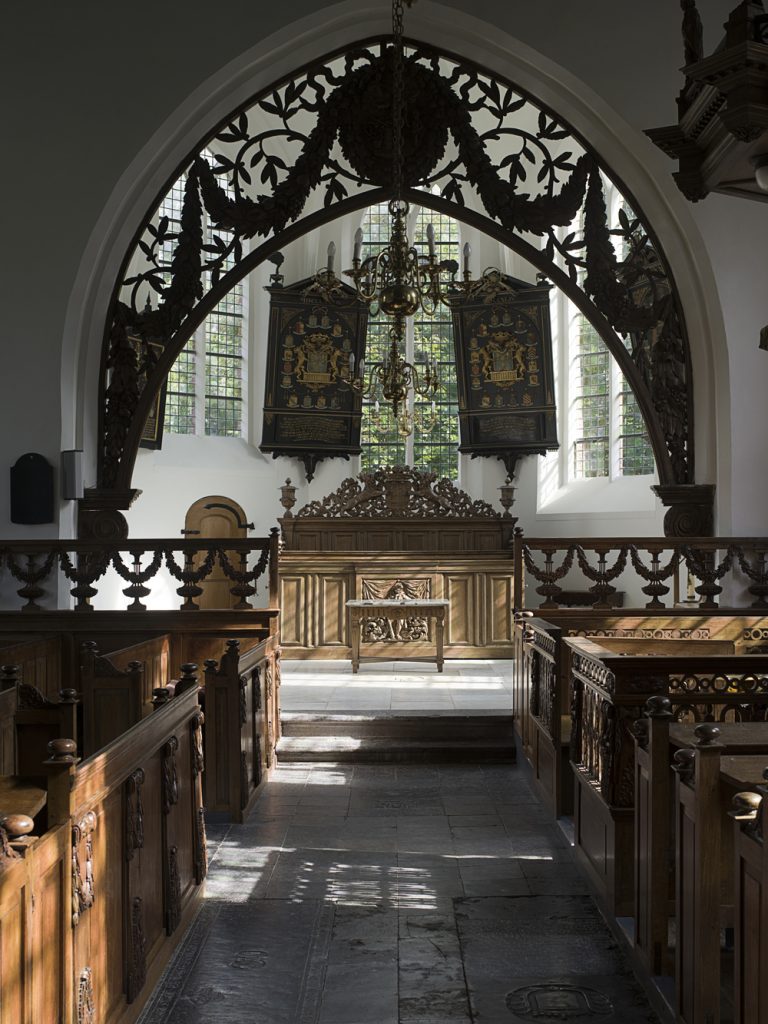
384, 582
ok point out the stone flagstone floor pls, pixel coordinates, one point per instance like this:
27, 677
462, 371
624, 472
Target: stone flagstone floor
396, 895
396, 686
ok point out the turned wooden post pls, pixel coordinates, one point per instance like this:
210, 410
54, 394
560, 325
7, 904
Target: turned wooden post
10, 676
60, 769
188, 679
274, 568
698, 872
652, 838
68, 704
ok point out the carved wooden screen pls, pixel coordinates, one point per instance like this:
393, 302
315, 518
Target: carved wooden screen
294, 157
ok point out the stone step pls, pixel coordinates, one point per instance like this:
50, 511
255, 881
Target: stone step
298, 749
459, 726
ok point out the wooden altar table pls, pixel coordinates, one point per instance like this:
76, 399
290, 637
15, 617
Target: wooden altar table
397, 610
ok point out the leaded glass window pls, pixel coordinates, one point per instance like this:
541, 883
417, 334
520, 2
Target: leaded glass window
206, 383
607, 434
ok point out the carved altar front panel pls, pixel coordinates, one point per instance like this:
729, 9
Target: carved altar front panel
384, 630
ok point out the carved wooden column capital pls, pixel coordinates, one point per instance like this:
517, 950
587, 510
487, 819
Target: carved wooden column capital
690, 509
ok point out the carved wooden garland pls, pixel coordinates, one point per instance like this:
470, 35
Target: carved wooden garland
201, 847
137, 952
465, 133
86, 1006
83, 886
170, 775
196, 744
172, 892
134, 814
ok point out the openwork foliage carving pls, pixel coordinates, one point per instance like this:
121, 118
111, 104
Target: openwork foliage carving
302, 146
398, 492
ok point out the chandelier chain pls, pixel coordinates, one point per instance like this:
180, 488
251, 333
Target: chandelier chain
398, 96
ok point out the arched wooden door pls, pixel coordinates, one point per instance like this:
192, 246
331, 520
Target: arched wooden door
216, 516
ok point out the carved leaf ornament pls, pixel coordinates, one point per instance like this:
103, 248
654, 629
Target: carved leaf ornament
476, 140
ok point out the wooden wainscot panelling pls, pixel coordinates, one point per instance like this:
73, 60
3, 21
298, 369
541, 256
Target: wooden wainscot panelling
461, 619
334, 594
39, 662
500, 609
35, 928
294, 610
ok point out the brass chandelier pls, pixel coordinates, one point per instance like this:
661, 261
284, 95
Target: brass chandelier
399, 281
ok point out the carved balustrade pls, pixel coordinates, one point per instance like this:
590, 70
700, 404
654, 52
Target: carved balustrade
689, 572
144, 565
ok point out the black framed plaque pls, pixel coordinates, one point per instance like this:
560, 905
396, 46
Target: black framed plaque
152, 433
311, 410
504, 363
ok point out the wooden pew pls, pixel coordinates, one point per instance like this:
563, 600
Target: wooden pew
546, 723
116, 689
704, 860
657, 737
91, 910
37, 660
539, 642
608, 691
241, 725
29, 721
750, 828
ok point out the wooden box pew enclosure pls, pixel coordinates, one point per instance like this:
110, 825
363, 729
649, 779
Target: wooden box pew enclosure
240, 693
542, 690
94, 902
686, 779
390, 535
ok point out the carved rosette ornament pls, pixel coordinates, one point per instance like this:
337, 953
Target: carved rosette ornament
492, 148
83, 884
170, 775
86, 1006
134, 814
137, 952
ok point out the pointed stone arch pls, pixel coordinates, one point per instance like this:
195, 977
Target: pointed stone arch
503, 161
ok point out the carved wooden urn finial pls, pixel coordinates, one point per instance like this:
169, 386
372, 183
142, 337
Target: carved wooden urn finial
288, 498
507, 497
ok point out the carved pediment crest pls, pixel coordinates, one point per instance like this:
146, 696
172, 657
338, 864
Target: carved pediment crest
398, 492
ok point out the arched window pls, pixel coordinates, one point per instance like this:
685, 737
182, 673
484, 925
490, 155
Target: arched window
606, 435
206, 384
433, 445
